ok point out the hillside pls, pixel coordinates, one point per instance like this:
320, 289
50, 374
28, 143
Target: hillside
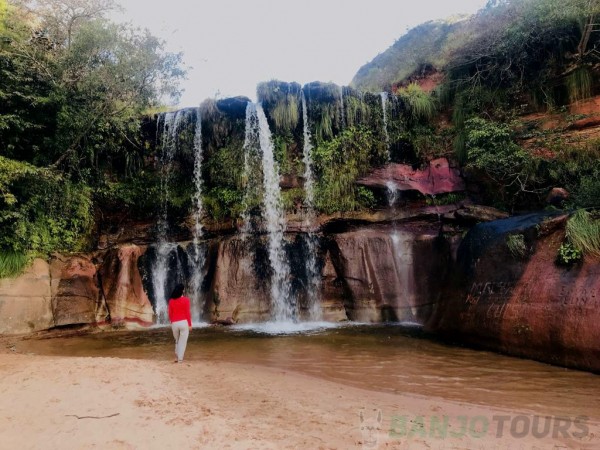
516, 89
422, 48
541, 45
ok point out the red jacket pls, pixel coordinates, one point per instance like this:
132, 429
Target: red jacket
179, 309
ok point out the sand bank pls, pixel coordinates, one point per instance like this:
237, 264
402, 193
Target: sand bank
85, 403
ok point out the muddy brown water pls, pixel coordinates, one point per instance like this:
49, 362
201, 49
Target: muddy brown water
393, 359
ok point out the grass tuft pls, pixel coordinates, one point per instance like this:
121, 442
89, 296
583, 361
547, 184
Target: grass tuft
12, 263
583, 232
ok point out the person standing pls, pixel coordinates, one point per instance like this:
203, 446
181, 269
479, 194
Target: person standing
181, 320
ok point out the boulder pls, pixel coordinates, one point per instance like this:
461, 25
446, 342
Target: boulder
75, 292
527, 307
437, 178
122, 288
234, 107
472, 214
557, 196
26, 300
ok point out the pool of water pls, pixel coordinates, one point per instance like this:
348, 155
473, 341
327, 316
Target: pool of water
389, 358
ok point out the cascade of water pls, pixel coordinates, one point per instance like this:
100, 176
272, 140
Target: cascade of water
171, 124
284, 307
251, 144
403, 260
196, 255
312, 274
384, 101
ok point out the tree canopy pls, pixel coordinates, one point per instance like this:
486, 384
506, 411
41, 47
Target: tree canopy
73, 89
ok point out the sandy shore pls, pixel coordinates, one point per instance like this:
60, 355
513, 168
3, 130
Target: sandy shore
89, 403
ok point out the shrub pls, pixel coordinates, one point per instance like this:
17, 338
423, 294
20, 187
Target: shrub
42, 212
568, 255
338, 164
420, 106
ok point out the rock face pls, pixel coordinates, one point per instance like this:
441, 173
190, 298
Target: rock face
25, 301
525, 305
75, 293
437, 178
239, 282
122, 288
390, 274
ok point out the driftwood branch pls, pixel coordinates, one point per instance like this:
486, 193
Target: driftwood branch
92, 417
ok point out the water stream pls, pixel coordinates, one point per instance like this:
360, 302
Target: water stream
168, 136
384, 102
195, 253
168, 257
393, 359
313, 277
283, 306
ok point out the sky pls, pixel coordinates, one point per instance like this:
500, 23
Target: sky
230, 46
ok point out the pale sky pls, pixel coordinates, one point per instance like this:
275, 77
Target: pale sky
232, 45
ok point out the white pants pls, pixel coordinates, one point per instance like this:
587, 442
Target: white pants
181, 332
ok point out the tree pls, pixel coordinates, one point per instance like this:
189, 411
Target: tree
68, 103
62, 18
109, 76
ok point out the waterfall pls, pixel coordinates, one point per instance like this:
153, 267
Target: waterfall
195, 255
384, 101
307, 160
257, 130
168, 136
198, 179
312, 272
171, 123
403, 260
251, 145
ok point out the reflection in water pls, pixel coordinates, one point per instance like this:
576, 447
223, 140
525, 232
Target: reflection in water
384, 358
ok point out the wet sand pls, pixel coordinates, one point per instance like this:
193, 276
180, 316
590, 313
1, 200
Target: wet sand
113, 402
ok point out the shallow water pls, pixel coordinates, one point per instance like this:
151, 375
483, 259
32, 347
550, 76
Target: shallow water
395, 359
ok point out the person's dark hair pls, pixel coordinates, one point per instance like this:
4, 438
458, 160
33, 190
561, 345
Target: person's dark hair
178, 291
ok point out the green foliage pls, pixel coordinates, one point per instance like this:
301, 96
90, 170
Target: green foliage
357, 111
135, 195
281, 102
568, 255
444, 199
583, 232
324, 125
42, 211
579, 84
292, 199
222, 202
527, 47
72, 94
12, 263
577, 168
365, 197
516, 245
492, 152
421, 106
338, 164
588, 192
285, 114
